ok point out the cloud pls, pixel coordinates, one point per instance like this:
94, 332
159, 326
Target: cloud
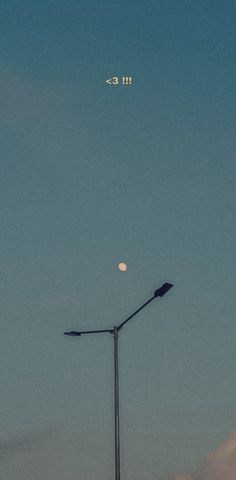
25, 441
183, 477
219, 465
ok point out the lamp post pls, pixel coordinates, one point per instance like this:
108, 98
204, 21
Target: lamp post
160, 292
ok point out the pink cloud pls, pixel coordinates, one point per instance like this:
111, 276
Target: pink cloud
183, 477
219, 465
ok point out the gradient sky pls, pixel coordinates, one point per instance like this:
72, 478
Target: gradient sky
93, 174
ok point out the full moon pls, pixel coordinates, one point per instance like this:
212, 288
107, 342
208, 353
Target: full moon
122, 267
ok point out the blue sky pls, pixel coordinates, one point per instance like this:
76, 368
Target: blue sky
93, 174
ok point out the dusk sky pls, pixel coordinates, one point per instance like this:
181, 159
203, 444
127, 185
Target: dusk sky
92, 175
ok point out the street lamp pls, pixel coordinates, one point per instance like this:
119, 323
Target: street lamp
160, 292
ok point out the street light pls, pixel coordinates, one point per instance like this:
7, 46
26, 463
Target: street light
160, 292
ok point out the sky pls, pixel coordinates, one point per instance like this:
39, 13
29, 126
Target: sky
94, 174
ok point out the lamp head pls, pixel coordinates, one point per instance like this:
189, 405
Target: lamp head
160, 292
73, 334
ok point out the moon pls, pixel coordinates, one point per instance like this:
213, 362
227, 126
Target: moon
122, 267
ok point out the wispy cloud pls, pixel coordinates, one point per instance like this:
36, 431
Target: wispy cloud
219, 465
25, 441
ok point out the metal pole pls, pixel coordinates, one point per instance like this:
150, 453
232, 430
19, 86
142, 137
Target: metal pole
116, 398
